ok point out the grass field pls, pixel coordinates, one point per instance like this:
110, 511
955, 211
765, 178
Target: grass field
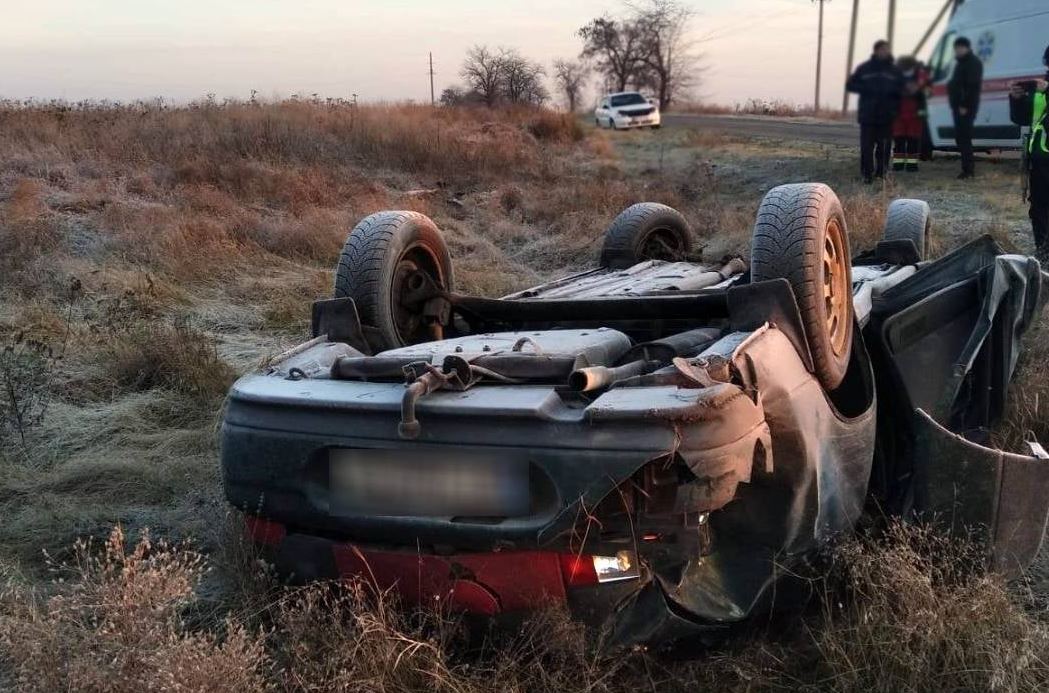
149, 254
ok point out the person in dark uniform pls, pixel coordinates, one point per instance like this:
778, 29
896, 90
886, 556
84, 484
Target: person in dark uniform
880, 85
963, 93
1028, 106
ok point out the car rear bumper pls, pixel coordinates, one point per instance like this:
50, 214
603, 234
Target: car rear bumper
719, 519
485, 584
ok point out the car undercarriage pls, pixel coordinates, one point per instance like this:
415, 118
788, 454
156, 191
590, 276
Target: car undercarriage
655, 442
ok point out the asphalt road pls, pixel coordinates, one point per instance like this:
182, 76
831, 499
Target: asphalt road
845, 133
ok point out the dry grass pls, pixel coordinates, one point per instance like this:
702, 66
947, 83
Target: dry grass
198, 236
115, 624
176, 357
908, 611
1027, 410
920, 613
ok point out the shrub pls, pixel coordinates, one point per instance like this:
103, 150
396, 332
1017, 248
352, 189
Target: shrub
555, 127
174, 356
113, 624
27, 367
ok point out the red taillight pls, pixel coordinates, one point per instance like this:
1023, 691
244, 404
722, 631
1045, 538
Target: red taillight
263, 531
578, 570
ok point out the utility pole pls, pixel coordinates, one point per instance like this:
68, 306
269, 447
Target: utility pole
819, 59
433, 101
892, 25
852, 52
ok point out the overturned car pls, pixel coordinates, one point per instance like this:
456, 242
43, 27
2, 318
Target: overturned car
653, 442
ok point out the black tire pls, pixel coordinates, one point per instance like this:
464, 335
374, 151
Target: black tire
909, 220
377, 262
800, 236
646, 231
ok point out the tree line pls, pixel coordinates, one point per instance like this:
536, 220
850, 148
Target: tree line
645, 48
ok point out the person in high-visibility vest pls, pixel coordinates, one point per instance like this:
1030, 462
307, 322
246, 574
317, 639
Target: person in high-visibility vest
1029, 106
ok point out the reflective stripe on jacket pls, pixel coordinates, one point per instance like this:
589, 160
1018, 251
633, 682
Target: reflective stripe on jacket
1038, 134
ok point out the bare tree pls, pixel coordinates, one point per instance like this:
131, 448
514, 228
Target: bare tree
648, 49
617, 48
522, 79
535, 92
570, 76
483, 73
669, 61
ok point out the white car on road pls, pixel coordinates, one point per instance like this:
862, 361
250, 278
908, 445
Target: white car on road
626, 109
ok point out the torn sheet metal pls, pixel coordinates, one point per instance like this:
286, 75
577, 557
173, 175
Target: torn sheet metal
813, 489
946, 341
1002, 497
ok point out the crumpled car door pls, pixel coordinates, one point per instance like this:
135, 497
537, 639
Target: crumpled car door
947, 341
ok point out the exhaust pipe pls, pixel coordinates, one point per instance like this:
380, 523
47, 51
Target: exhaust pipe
600, 377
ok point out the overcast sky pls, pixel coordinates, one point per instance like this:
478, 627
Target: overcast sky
183, 49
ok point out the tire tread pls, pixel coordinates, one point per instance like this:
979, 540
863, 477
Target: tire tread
620, 246
787, 243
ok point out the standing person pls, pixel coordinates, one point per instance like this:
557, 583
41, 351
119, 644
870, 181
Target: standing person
963, 93
879, 84
1028, 106
909, 126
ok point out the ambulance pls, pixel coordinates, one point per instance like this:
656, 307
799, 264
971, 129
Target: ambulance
1009, 36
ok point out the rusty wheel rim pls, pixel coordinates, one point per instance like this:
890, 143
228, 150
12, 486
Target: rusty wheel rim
409, 320
836, 290
662, 244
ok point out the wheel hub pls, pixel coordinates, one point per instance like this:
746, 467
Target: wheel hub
662, 244
414, 268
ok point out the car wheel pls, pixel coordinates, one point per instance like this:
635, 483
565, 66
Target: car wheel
800, 235
646, 231
657, 126
386, 256
909, 220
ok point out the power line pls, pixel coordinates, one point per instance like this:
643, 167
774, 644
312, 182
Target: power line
736, 27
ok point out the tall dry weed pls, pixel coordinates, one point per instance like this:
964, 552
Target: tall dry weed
112, 623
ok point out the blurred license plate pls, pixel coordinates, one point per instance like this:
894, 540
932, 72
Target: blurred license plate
427, 483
